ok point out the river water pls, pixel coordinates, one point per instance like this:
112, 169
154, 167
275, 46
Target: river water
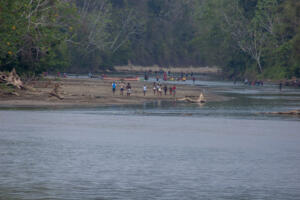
168, 151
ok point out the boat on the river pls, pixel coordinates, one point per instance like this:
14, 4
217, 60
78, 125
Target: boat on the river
177, 79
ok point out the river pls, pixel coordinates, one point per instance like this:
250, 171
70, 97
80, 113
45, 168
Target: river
159, 150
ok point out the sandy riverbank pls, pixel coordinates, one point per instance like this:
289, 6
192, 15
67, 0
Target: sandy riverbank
84, 92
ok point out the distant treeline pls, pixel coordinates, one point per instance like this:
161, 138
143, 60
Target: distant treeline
246, 38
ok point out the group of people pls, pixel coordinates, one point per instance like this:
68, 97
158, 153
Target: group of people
252, 83
158, 89
122, 88
169, 76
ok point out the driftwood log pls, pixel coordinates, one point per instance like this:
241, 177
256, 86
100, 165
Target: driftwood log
55, 92
293, 112
12, 79
200, 99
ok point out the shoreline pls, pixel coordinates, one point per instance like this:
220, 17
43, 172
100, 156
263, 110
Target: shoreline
89, 93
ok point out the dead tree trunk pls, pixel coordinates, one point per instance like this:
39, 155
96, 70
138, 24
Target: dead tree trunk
55, 92
12, 79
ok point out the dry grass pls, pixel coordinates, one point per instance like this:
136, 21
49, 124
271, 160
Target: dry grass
200, 70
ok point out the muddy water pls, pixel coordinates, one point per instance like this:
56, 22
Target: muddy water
224, 150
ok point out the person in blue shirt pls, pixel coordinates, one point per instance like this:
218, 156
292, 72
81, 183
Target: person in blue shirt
114, 86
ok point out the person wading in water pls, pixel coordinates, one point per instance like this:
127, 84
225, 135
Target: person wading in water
280, 86
144, 90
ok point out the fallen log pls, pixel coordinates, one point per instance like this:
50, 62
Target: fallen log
200, 99
3, 77
293, 112
12, 93
55, 92
12, 79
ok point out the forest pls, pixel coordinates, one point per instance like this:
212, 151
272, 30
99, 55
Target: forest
245, 38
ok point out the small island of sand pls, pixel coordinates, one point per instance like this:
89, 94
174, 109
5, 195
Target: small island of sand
93, 92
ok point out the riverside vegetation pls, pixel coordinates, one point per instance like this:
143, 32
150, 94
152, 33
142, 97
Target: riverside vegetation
245, 38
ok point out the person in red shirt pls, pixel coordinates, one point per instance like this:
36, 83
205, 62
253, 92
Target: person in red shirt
174, 90
165, 76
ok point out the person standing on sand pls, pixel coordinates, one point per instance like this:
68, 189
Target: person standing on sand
114, 86
122, 88
166, 89
174, 90
144, 90
159, 89
154, 88
170, 90
280, 86
128, 87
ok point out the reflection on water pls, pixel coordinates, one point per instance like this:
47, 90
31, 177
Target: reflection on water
160, 150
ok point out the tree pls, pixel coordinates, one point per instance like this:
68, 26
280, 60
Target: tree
250, 34
37, 28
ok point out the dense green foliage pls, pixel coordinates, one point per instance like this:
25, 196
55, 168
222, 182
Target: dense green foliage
244, 37
32, 34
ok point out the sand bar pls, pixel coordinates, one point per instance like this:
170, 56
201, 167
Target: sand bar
88, 92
